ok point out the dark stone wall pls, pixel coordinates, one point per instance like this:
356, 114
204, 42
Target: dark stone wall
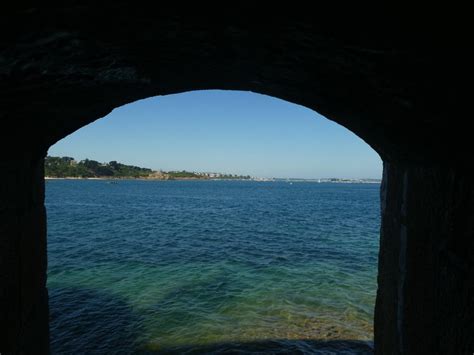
23, 295
425, 299
395, 77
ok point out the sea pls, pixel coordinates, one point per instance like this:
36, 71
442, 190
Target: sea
211, 267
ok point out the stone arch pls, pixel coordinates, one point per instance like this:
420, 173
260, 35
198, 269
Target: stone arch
388, 78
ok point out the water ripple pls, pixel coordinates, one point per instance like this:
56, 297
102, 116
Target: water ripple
217, 266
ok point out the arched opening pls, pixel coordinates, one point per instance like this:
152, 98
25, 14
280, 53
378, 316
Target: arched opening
395, 79
287, 264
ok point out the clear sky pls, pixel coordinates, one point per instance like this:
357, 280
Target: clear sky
233, 132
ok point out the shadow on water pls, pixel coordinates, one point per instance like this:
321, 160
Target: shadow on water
88, 321
277, 346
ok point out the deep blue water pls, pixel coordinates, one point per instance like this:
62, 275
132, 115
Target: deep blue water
211, 266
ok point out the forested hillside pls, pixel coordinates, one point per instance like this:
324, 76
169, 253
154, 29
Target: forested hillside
68, 167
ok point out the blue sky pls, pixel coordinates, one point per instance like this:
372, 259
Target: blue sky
224, 131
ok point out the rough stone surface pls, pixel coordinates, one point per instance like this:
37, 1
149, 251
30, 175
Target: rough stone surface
23, 295
425, 299
395, 78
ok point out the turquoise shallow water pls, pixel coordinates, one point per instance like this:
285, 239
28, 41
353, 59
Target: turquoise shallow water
211, 266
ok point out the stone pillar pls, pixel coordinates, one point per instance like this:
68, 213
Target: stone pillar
23, 295
425, 299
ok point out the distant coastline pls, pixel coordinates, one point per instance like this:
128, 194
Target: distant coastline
148, 178
67, 168
326, 181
